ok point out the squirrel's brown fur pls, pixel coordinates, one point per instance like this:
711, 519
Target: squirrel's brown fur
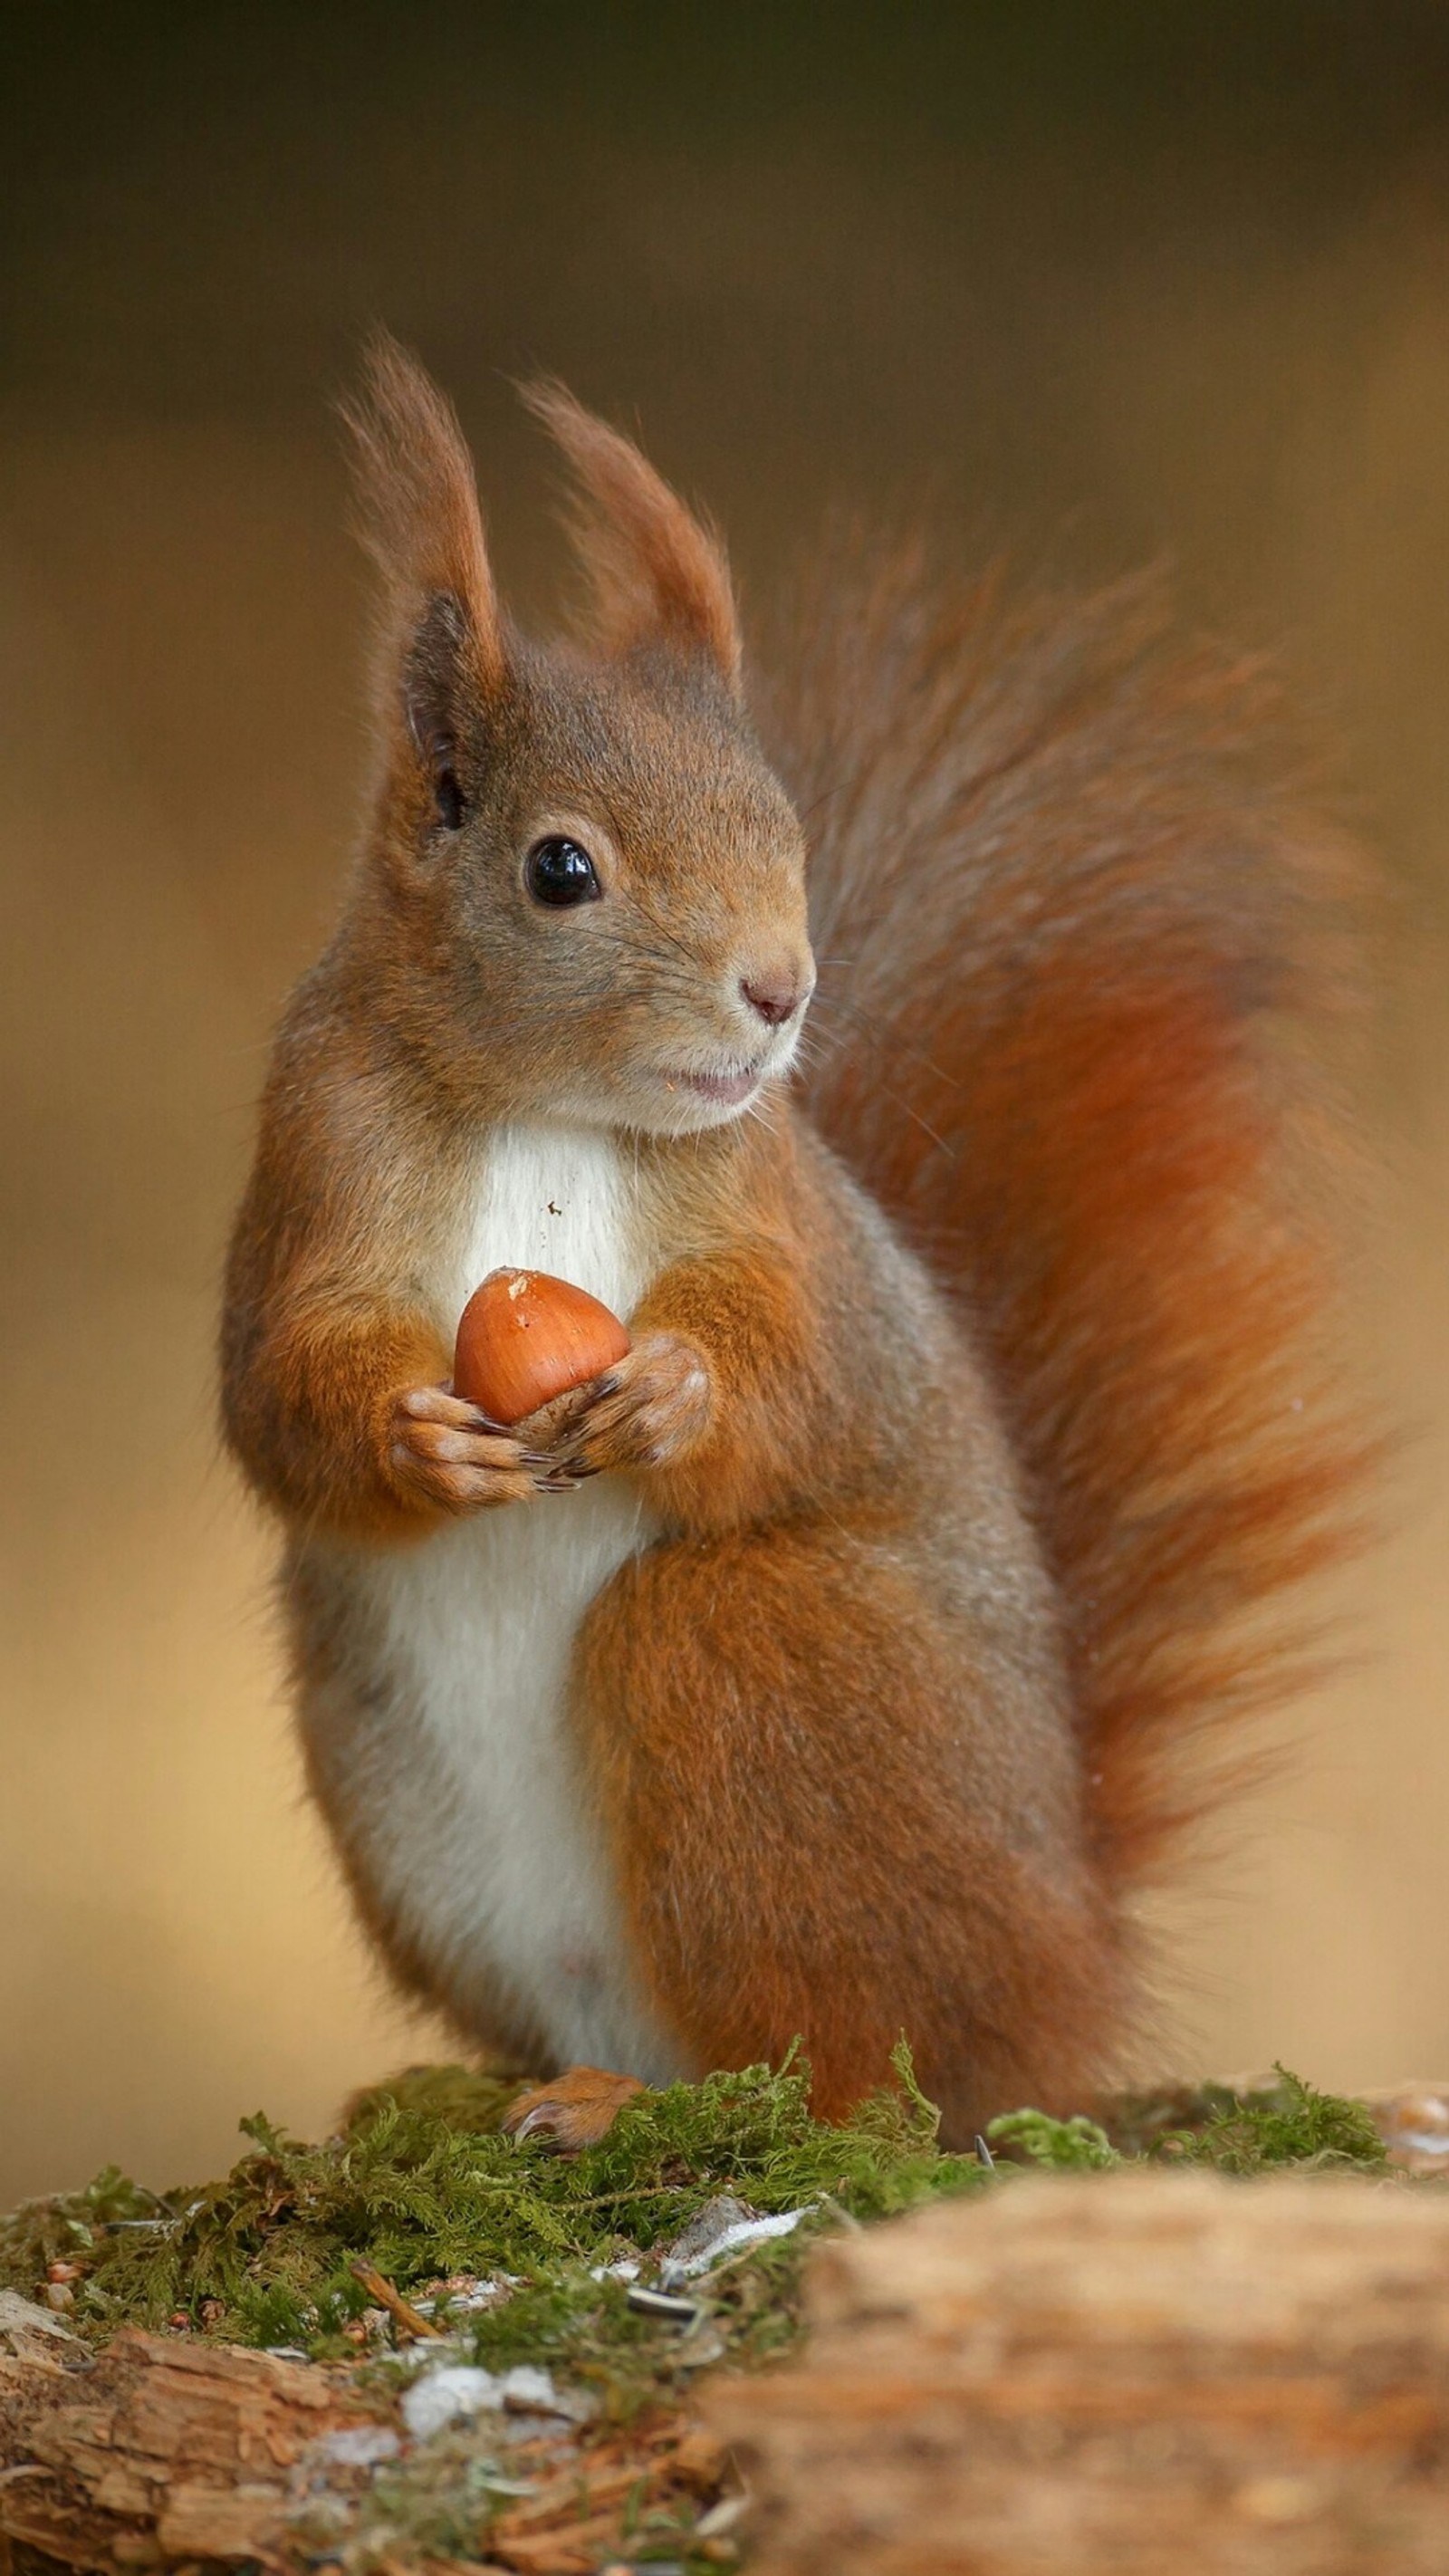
976, 1404
1064, 864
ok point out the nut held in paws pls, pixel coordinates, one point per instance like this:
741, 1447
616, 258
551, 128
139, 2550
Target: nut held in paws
524, 1338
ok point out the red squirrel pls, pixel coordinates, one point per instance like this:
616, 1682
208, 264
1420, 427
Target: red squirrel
830, 1669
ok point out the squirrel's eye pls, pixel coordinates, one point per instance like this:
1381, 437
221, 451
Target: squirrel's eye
558, 872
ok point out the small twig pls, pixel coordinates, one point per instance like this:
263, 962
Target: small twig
394, 2302
633, 2191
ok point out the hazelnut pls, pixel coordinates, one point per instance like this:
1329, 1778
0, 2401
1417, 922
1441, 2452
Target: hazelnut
525, 1338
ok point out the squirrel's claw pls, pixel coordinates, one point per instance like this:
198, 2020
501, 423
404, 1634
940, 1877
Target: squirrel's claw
646, 1412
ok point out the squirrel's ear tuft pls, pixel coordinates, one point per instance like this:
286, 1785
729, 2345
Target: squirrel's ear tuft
658, 574
419, 515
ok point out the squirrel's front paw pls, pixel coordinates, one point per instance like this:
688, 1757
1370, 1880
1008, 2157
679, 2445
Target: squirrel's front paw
444, 1452
650, 1410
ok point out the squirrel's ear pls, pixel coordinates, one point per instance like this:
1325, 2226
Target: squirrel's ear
658, 574
420, 521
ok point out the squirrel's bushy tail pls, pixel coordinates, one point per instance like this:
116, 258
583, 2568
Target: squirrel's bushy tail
1076, 949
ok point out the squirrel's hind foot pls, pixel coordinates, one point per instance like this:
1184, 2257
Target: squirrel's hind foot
576, 2110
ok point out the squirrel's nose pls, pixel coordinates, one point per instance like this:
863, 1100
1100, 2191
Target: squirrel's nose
775, 992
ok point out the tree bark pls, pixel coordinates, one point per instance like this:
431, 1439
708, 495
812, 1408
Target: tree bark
1113, 2376
156, 2448
159, 2452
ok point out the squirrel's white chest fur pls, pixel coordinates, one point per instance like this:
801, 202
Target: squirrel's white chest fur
450, 1672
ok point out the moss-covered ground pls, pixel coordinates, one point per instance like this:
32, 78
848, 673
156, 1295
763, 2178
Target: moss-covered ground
419, 2212
421, 2186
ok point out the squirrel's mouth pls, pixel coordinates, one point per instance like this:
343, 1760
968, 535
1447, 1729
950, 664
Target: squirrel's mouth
725, 1090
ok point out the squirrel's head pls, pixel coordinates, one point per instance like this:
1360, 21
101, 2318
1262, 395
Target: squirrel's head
587, 894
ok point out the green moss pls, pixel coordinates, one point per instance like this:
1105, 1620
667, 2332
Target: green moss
1288, 2123
1065, 2146
1137, 2123
421, 2184
459, 2096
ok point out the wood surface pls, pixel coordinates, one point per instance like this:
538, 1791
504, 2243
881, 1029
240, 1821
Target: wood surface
1116, 2376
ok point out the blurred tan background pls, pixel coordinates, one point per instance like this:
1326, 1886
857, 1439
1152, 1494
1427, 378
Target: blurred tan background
1108, 281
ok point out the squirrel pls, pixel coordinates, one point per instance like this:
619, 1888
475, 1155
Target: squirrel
838, 1666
